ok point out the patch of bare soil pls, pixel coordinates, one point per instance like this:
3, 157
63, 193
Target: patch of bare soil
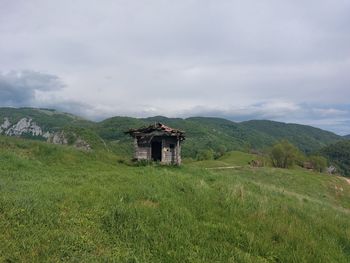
224, 167
149, 203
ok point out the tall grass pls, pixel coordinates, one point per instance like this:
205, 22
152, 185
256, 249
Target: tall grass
60, 204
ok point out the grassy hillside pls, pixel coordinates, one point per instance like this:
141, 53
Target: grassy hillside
61, 204
339, 155
230, 159
306, 138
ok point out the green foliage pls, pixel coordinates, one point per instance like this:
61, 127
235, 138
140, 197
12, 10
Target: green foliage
207, 154
220, 151
308, 139
201, 133
339, 155
218, 134
283, 154
318, 162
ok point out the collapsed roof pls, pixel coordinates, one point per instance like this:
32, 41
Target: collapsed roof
158, 129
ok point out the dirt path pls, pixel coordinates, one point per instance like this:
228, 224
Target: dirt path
223, 167
344, 178
348, 180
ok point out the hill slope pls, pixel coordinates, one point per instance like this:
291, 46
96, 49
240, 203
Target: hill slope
49, 125
60, 204
307, 138
339, 155
47, 119
217, 133
202, 133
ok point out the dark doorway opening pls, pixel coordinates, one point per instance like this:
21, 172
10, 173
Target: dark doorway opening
172, 152
157, 151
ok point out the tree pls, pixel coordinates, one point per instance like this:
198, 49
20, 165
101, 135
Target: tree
319, 163
220, 151
207, 154
283, 154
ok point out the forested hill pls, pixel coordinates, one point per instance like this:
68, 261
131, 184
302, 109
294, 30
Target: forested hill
307, 138
347, 137
202, 133
339, 155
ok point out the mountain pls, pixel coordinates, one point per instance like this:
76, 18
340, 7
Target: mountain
47, 119
339, 155
37, 123
306, 138
202, 133
347, 137
49, 125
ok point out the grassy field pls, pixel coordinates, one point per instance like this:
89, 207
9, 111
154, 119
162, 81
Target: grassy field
60, 204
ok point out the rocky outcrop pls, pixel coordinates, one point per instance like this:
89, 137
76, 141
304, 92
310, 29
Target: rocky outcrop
5, 125
58, 138
24, 126
82, 145
69, 139
46, 135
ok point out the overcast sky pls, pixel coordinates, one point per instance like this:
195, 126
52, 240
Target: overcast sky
286, 60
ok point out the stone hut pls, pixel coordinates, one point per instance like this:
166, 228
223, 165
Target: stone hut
157, 142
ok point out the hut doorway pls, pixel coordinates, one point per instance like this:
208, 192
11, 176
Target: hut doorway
172, 152
157, 151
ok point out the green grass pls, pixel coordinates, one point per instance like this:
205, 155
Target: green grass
61, 204
230, 159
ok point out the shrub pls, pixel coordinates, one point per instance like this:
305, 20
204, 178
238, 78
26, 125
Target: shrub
207, 154
284, 154
319, 163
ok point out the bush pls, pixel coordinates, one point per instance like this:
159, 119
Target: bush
319, 163
207, 154
284, 154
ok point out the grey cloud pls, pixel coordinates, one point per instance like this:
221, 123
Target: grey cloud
19, 88
285, 60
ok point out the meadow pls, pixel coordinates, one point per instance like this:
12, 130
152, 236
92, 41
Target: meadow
59, 204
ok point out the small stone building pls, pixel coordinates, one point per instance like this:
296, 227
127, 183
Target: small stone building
157, 142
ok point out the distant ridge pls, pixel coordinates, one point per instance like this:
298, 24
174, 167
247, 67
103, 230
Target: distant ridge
303, 136
202, 133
